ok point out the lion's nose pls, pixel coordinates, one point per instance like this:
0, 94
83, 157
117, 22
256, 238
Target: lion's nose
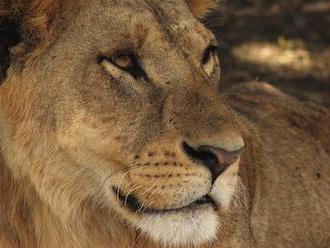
217, 160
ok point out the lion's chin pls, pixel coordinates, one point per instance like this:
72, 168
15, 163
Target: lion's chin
192, 224
187, 227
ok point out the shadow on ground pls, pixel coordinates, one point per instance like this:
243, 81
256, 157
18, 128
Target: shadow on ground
289, 49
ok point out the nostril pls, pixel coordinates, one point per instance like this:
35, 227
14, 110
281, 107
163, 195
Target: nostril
207, 158
216, 159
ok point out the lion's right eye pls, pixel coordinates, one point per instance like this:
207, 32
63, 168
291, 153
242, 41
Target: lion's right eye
125, 61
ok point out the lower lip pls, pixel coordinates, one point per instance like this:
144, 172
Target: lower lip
133, 204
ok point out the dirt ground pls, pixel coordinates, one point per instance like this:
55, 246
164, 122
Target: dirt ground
288, 47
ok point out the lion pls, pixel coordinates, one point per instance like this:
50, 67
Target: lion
114, 133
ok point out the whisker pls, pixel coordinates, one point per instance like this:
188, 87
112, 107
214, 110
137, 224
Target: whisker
151, 195
120, 182
134, 187
147, 192
124, 170
156, 190
210, 20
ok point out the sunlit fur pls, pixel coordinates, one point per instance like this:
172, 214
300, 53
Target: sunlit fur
202, 7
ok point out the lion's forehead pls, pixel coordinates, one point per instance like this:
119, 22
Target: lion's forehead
170, 15
125, 19
175, 17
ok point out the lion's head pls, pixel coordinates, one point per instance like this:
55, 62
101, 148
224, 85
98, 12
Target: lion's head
116, 103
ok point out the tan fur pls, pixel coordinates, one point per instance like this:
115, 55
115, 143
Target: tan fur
72, 128
202, 7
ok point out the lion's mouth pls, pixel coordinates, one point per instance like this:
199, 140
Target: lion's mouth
133, 204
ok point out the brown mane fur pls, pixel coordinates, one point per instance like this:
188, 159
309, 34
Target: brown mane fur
201, 8
36, 16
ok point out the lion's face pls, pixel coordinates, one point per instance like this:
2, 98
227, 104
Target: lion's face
127, 113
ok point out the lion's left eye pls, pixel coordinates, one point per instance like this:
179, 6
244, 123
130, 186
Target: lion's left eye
209, 60
125, 61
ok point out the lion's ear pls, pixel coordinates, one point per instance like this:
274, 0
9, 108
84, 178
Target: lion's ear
36, 17
202, 7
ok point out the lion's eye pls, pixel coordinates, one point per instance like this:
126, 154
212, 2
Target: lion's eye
209, 59
125, 61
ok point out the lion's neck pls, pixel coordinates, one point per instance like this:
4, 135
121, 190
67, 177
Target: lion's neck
15, 210
25, 220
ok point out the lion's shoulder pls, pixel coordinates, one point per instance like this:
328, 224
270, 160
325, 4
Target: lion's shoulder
287, 147
269, 107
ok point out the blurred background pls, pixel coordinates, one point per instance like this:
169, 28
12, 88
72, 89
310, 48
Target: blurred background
282, 42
